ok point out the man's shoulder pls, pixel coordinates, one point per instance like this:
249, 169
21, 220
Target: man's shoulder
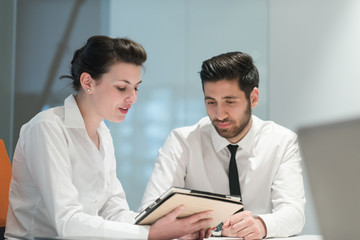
273, 128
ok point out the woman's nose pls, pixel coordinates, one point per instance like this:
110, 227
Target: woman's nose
132, 96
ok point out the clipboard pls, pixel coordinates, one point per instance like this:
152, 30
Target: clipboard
194, 201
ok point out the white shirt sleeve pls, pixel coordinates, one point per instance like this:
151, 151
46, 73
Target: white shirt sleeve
51, 172
168, 170
116, 207
288, 196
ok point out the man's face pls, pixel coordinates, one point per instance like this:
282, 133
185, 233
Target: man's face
229, 109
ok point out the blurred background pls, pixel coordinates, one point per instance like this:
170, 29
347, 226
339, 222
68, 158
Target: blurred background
307, 53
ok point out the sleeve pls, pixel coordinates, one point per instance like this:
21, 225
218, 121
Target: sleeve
288, 198
169, 169
116, 207
48, 161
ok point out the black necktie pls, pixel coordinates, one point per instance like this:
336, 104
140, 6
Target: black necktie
233, 181
233, 172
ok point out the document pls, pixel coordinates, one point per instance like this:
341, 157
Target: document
223, 206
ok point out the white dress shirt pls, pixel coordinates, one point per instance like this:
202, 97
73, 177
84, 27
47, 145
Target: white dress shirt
268, 162
62, 185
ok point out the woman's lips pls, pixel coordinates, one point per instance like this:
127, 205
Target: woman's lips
124, 110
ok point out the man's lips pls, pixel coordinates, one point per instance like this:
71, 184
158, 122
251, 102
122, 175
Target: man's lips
224, 124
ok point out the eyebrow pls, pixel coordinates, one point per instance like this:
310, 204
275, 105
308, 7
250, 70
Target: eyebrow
128, 82
226, 97
230, 97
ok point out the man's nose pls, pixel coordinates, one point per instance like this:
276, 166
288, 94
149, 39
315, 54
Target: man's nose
221, 113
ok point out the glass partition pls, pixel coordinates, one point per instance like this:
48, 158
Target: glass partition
178, 36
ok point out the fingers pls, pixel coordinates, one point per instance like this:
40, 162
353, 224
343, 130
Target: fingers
193, 224
236, 218
200, 224
200, 217
226, 224
245, 225
201, 234
193, 218
191, 236
176, 212
208, 233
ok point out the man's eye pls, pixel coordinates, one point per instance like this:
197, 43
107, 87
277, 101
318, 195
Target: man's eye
230, 102
210, 102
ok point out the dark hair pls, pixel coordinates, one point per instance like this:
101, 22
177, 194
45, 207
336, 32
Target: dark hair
231, 66
101, 52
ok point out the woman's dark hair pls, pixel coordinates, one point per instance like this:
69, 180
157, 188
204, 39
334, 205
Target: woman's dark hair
231, 66
101, 52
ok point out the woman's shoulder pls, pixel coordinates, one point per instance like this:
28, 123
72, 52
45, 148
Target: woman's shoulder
53, 115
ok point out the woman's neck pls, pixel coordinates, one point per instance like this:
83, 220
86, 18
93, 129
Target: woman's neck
91, 120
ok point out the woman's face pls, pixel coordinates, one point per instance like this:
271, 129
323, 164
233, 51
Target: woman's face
116, 91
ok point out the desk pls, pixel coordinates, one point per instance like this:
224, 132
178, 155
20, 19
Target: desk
304, 237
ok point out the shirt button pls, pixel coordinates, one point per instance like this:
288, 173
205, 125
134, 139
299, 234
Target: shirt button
101, 174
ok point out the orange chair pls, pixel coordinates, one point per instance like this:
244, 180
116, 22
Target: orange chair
5, 177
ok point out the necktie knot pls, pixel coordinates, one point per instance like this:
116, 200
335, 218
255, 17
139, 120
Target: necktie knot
232, 148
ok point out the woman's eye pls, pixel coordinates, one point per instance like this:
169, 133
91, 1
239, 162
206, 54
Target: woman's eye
121, 89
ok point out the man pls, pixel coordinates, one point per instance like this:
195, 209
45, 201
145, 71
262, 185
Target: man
269, 178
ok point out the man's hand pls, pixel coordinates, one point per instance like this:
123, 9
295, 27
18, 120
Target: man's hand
170, 227
245, 225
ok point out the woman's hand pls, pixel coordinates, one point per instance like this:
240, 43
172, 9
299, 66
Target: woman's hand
170, 227
198, 235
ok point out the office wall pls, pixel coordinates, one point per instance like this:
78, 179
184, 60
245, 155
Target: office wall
47, 34
314, 54
7, 57
178, 36
314, 58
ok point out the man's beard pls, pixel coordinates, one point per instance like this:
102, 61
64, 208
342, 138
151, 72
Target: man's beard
234, 130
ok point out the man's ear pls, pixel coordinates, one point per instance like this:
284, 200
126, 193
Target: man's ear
87, 83
254, 97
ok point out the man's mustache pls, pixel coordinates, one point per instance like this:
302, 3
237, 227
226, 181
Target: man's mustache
221, 121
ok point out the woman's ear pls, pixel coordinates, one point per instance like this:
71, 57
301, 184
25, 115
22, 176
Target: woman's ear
254, 97
87, 83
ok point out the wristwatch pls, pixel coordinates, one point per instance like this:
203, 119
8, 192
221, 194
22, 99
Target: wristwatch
218, 230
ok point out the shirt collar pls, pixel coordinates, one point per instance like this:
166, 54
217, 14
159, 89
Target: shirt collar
73, 117
246, 143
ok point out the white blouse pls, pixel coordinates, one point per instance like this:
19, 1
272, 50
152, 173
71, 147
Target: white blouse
62, 185
268, 161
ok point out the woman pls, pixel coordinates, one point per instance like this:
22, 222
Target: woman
64, 170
